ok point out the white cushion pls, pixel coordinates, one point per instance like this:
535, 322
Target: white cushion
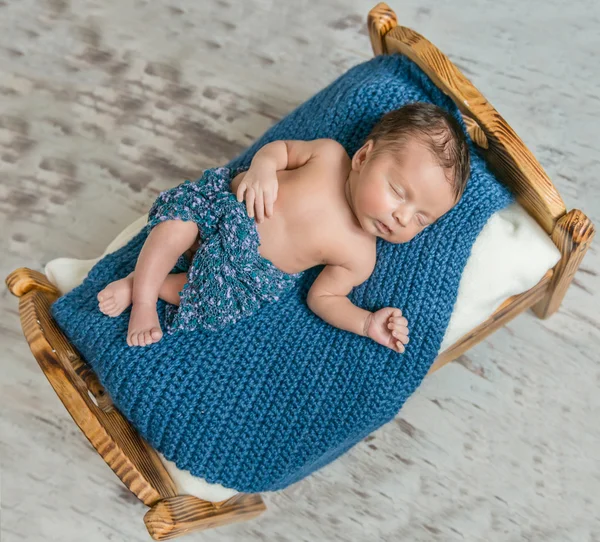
511, 254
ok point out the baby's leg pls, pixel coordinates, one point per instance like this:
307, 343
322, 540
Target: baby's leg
116, 297
173, 284
165, 243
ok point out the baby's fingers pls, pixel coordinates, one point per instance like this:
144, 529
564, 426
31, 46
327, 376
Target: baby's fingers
240, 191
402, 321
402, 330
403, 327
259, 205
400, 336
250, 201
269, 201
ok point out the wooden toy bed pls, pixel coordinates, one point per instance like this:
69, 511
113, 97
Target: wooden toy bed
138, 465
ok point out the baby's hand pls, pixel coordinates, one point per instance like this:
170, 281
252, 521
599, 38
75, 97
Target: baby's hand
260, 186
388, 327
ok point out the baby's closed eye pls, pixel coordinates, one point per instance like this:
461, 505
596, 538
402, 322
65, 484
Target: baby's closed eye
423, 222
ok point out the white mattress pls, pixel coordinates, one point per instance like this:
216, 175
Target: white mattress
510, 256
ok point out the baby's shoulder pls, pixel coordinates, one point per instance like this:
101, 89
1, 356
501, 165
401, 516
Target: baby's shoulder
329, 148
330, 163
364, 254
357, 253
327, 145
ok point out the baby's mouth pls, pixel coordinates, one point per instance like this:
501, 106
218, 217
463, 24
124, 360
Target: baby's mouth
382, 227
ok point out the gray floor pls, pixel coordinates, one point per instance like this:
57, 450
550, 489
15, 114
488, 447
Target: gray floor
105, 103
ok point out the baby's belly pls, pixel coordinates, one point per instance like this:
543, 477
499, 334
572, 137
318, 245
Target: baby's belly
289, 239
275, 247
283, 250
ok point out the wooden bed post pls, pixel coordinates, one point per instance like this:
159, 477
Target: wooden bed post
572, 234
381, 20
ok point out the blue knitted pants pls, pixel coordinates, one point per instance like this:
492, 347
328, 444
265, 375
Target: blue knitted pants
227, 278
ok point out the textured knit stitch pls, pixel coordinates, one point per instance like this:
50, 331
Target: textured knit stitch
274, 397
227, 279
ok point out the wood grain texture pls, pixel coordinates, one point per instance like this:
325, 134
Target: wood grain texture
125, 452
476, 133
572, 234
380, 20
184, 514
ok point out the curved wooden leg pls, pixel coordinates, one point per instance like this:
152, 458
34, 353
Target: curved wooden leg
130, 457
184, 514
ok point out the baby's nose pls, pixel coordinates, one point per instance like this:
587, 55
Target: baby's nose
403, 218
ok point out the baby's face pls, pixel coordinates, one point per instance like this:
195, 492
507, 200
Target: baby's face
405, 195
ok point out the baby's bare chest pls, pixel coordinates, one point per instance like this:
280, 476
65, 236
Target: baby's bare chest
311, 223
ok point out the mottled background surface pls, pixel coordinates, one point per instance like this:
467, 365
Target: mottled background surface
105, 103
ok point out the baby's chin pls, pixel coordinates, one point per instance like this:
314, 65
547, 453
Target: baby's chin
396, 240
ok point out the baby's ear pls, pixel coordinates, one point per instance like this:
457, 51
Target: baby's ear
361, 155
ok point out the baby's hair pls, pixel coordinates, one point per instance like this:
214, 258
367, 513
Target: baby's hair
436, 128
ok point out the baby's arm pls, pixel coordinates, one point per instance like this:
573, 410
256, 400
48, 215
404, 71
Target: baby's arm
327, 298
260, 184
293, 153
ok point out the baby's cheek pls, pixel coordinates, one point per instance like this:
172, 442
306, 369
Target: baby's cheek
406, 235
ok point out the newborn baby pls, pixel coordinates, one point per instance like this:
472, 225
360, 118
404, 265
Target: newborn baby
310, 204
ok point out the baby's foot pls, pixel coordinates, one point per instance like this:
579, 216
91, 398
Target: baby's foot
116, 297
144, 327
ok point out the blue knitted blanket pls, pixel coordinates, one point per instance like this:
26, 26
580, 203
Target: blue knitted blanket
274, 397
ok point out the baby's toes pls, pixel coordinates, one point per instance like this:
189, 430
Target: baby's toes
105, 303
148, 337
104, 296
156, 334
106, 310
106, 306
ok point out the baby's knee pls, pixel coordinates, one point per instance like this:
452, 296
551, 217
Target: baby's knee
178, 231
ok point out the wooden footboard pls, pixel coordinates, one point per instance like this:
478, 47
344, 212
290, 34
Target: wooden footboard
122, 448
